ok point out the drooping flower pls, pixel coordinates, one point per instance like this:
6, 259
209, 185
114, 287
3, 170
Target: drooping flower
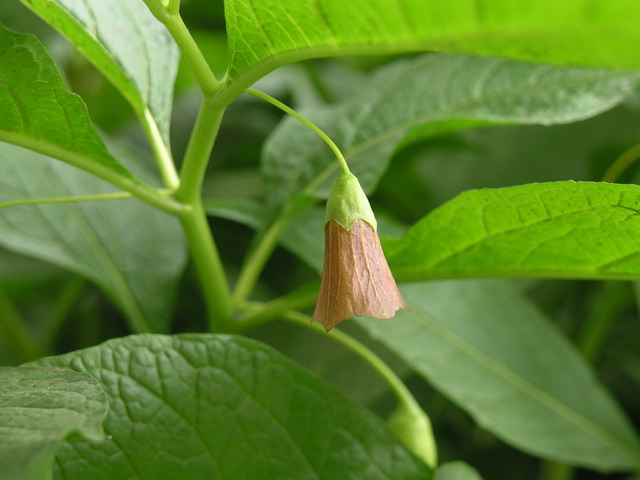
356, 279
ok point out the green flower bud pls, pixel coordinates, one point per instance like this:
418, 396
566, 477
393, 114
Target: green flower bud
413, 428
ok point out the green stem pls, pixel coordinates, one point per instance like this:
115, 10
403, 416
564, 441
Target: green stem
305, 122
17, 332
623, 162
258, 257
205, 254
161, 151
203, 248
556, 471
406, 401
198, 151
173, 6
398, 387
71, 199
256, 261
170, 17
119, 179
302, 298
206, 259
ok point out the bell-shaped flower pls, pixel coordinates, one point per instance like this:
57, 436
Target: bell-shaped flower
356, 279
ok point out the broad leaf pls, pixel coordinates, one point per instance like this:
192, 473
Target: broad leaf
39, 407
264, 34
128, 45
222, 407
456, 471
559, 229
487, 348
38, 112
135, 252
436, 93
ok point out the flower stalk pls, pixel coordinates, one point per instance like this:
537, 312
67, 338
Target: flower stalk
356, 278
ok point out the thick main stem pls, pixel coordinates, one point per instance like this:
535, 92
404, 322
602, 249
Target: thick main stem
206, 259
194, 221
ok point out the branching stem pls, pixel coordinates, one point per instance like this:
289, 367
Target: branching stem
169, 15
205, 254
161, 151
72, 199
273, 310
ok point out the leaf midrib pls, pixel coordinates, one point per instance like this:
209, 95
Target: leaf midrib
529, 389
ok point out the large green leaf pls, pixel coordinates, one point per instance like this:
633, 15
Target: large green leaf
39, 407
438, 93
38, 112
487, 348
264, 34
128, 45
559, 229
223, 407
135, 252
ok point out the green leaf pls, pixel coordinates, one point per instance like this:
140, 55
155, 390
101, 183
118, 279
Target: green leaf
456, 471
482, 344
437, 93
39, 113
224, 407
264, 34
559, 229
135, 252
39, 407
128, 45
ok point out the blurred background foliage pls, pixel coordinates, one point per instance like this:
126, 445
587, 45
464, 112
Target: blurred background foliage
67, 312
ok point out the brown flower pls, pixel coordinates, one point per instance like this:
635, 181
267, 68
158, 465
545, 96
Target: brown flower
356, 279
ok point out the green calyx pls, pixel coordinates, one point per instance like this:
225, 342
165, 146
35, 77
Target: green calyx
348, 203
